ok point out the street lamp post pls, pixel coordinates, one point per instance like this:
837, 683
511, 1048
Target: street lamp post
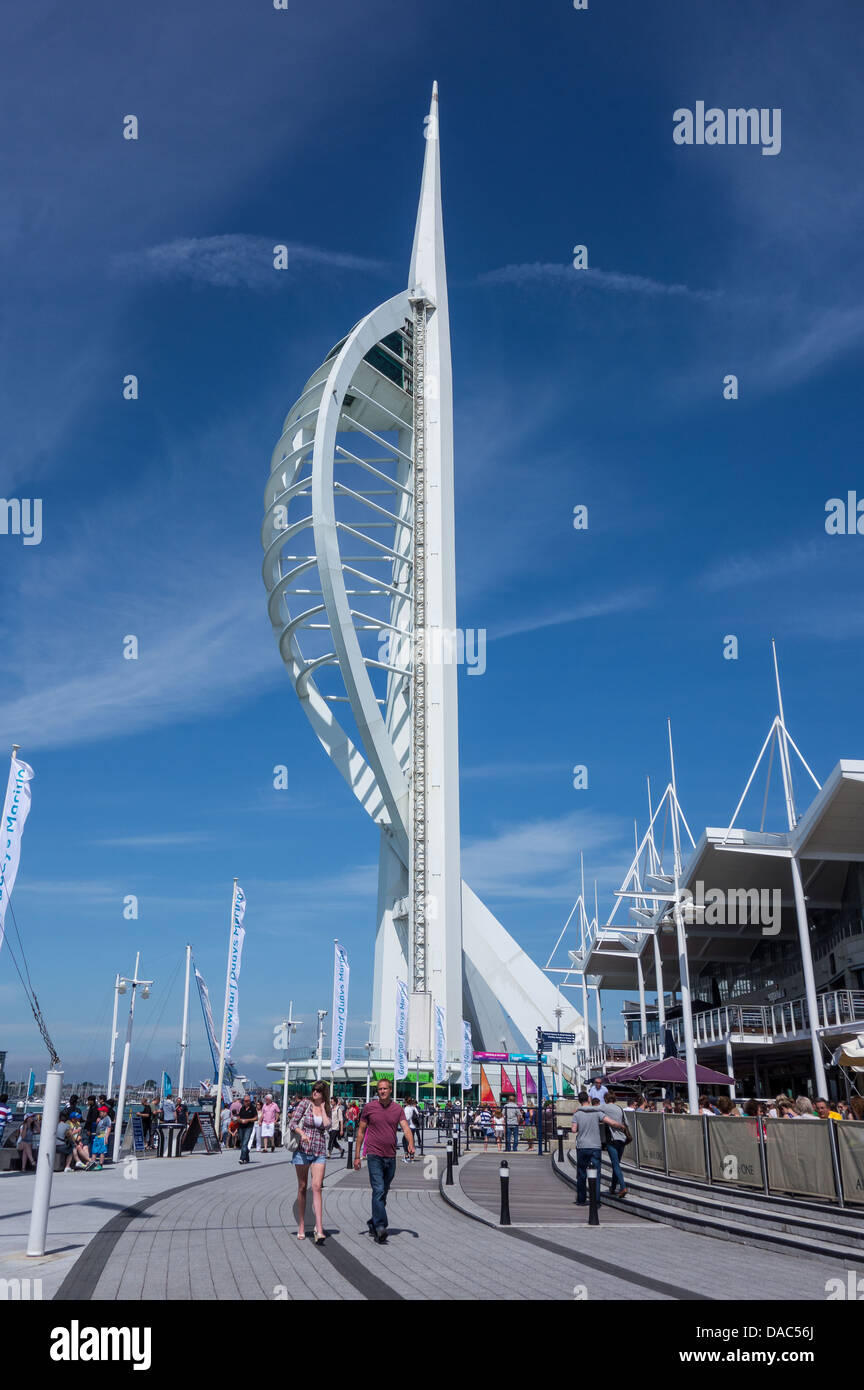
369, 1046
289, 1027
322, 1014
121, 1099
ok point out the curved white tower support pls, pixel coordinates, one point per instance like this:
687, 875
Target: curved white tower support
359, 566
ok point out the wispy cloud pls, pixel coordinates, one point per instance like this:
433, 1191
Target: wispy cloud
616, 282
755, 569
178, 839
627, 601
540, 859
235, 260
195, 666
828, 335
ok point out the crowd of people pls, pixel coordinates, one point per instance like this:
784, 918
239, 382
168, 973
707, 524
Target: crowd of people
782, 1107
84, 1129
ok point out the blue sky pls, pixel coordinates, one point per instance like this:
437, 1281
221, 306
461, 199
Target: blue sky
706, 517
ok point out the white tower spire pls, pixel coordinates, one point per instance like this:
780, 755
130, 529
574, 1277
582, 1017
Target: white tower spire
436, 876
360, 571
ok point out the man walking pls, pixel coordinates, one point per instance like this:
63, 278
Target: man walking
379, 1122
269, 1117
247, 1116
589, 1148
512, 1120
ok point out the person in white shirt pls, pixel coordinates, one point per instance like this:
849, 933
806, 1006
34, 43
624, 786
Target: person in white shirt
337, 1127
255, 1142
412, 1115
598, 1090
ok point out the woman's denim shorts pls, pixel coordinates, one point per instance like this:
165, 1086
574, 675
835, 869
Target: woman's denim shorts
302, 1159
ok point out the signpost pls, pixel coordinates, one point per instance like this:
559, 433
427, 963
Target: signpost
545, 1040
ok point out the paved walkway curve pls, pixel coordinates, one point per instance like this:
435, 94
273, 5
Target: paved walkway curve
232, 1237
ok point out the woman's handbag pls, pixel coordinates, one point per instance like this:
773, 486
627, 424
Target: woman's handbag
293, 1144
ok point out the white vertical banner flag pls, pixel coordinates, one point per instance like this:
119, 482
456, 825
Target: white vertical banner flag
15, 811
400, 1052
204, 996
235, 952
467, 1057
340, 1008
440, 1047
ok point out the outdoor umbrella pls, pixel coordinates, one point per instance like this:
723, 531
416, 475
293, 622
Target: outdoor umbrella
631, 1073
668, 1071
850, 1054
673, 1070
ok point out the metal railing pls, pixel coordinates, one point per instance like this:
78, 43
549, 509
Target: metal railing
765, 1023
818, 1159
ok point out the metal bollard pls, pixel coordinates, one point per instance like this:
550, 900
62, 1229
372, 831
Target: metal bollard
560, 1146
456, 1143
467, 1138
448, 1181
593, 1187
504, 1175
350, 1163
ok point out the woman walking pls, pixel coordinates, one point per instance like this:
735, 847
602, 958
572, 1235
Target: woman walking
311, 1123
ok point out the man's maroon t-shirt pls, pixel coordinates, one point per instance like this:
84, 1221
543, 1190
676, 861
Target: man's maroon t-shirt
382, 1124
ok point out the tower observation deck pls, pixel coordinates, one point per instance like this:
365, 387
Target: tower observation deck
359, 568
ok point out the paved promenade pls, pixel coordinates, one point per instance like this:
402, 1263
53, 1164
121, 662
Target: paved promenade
203, 1228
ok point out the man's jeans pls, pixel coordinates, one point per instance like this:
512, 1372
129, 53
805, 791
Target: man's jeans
512, 1132
584, 1158
247, 1135
615, 1148
381, 1174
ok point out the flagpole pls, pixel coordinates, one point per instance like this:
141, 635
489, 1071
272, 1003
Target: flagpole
224, 1038
184, 1036
110, 1090
291, 1025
